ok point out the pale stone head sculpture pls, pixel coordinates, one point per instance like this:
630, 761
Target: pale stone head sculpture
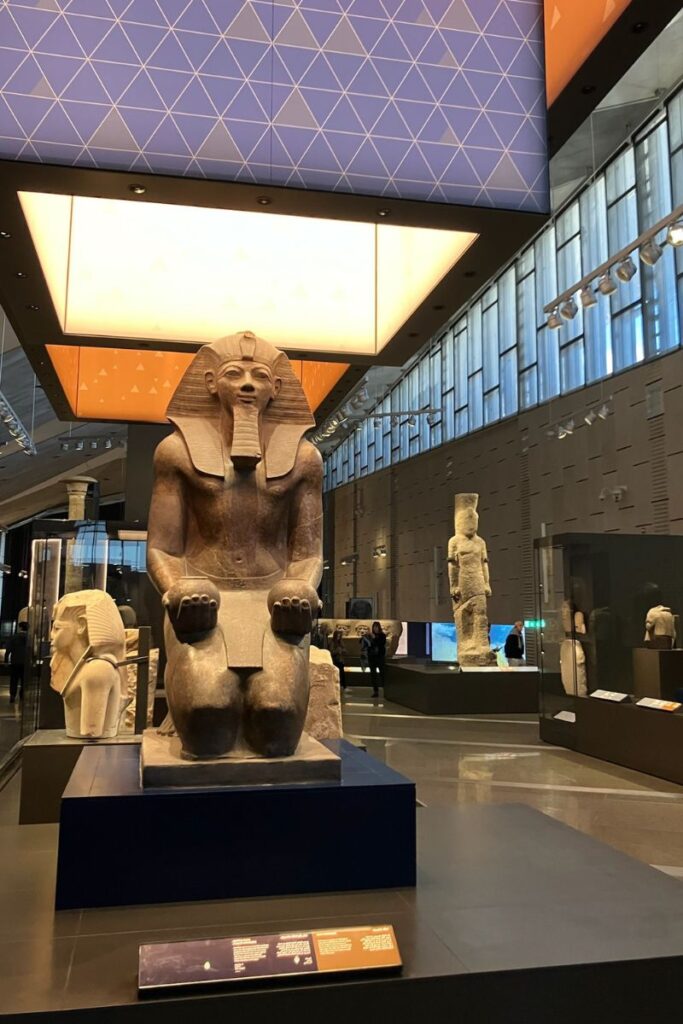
88, 642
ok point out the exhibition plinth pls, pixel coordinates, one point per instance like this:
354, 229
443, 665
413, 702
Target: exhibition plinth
121, 844
437, 689
515, 917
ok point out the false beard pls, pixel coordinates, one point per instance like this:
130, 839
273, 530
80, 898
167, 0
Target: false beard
246, 442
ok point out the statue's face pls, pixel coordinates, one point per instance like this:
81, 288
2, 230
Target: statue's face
468, 522
66, 628
243, 383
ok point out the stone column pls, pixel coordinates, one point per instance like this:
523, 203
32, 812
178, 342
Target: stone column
77, 490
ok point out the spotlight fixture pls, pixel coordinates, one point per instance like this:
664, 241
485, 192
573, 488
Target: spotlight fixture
606, 284
569, 426
650, 253
20, 274
15, 427
137, 190
32, 306
411, 421
626, 270
675, 234
554, 320
588, 297
5, 234
569, 309
264, 200
603, 411
432, 419
590, 418
79, 446
384, 212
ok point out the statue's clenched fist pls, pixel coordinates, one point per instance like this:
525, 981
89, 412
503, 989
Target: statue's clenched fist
293, 604
192, 605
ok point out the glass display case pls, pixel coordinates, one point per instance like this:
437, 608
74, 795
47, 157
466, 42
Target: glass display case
611, 647
69, 556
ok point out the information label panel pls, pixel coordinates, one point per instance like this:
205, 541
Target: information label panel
164, 965
658, 705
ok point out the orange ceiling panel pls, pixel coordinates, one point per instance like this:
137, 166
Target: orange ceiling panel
136, 384
573, 29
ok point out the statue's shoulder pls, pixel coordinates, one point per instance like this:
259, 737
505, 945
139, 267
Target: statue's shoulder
171, 453
308, 458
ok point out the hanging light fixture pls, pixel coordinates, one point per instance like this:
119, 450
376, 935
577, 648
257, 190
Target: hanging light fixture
588, 297
650, 253
675, 234
626, 270
606, 284
569, 309
554, 320
590, 418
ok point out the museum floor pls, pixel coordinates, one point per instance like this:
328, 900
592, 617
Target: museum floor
507, 871
500, 759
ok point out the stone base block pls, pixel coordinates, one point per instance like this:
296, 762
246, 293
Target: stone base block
162, 764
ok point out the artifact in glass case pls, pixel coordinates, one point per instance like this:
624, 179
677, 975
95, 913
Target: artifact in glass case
468, 574
235, 550
88, 646
660, 628
573, 668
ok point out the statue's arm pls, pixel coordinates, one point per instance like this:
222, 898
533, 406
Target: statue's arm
167, 519
485, 569
305, 522
453, 568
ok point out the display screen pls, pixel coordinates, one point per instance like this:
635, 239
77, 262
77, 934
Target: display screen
445, 642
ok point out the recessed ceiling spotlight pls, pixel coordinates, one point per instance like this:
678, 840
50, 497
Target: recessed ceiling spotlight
137, 190
569, 309
675, 234
264, 200
384, 212
588, 297
626, 270
607, 285
554, 320
20, 274
32, 306
5, 234
650, 253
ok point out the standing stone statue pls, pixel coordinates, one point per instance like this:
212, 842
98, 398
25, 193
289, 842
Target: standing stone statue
468, 574
88, 649
235, 550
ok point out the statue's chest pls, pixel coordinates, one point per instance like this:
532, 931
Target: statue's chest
242, 496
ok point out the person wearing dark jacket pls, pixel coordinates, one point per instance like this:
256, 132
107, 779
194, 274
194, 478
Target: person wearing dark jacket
15, 654
514, 645
377, 652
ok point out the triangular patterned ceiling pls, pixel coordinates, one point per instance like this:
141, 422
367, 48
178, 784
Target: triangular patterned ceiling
323, 94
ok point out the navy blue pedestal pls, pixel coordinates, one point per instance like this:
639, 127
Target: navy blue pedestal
120, 844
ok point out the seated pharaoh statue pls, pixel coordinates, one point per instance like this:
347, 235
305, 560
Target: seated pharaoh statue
235, 550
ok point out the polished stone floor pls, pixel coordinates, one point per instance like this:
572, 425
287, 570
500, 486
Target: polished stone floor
500, 759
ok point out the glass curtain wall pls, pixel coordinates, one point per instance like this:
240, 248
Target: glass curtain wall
498, 356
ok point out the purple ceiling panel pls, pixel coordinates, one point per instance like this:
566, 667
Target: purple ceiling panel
419, 99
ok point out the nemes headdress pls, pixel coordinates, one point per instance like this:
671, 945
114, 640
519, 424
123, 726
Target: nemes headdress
105, 627
196, 412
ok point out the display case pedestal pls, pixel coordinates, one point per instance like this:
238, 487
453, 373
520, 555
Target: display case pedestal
121, 844
657, 673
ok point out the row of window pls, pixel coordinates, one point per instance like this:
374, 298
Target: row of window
499, 356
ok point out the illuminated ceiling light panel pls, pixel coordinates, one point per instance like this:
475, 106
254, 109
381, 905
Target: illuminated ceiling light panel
157, 272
